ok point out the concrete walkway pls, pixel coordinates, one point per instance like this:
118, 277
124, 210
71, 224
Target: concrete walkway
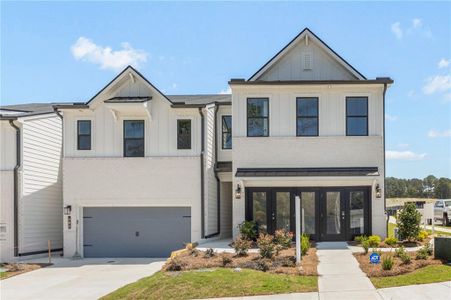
81, 279
340, 276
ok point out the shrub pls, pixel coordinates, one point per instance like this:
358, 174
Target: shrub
424, 252
374, 241
209, 253
408, 222
241, 246
226, 260
405, 258
360, 238
391, 241
262, 265
400, 251
387, 262
248, 230
174, 264
366, 246
283, 238
305, 243
422, 235
266, 245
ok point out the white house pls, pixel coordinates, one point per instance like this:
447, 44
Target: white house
145, 172
30, 180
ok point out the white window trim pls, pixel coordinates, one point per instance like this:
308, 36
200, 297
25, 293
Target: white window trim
93, 139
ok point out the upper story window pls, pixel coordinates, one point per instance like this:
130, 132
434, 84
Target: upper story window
307, 116
83, 135
357, 116
257, 117
183, 134
133, 138
226, 132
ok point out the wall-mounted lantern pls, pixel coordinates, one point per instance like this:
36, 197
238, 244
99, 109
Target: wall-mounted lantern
238, 191
67, 210
378, 191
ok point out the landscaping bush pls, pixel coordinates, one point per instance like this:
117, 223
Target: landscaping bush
391, 241
374, 241
283, 238
405, 258
360, 238
266, 245
422, 235
365, 245
387, 262
262, 265
226, 260
248, 230
209, 253
408, 222
424, 252
400, 251
305, 243
174, 264
241, 246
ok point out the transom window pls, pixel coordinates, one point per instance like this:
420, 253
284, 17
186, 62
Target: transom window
307, 116
226, 132
356, 116
257, 117
134, 138
84, 135
183, 134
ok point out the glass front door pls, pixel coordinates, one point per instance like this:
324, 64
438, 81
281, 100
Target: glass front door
332, 211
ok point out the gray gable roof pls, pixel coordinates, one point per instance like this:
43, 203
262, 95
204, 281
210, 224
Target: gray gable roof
24, 110
200, 99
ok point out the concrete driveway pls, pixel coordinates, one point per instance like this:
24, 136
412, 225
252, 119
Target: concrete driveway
78, 279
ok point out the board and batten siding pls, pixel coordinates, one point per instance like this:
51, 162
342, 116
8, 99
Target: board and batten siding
41, 204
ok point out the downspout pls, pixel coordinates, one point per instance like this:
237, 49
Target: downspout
16, 189
385, 187
218, 191
202, 196
57, 112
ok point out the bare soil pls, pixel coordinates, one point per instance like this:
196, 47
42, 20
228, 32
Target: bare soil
283, 263
13, 269
375, 270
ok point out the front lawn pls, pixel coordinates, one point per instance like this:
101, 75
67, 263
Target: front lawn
210, 283
391, 229
429, 274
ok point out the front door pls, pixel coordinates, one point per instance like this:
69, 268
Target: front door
332, 215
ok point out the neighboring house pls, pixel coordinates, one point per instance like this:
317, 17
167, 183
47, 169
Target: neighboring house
30, 180
145, 172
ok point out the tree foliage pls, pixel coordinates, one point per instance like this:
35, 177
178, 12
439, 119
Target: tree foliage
408, 222
429, 187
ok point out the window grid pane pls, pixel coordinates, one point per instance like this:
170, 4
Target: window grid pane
307, 120
226, 132
183, 134
357, 116
84, 135
133, 138
257, 117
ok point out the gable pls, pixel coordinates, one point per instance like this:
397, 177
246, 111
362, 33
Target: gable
306, 57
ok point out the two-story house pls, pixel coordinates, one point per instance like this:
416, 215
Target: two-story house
145, 172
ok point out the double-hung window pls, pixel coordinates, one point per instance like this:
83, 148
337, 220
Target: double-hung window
83, 135
183, 134
307, 116
226, 132
356, 116
257, 117
133, 138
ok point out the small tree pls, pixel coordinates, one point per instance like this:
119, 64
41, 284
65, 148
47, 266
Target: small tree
408, 222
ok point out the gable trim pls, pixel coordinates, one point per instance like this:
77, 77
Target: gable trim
306, 30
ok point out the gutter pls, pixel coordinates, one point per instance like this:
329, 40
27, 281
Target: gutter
202, 192
16, 188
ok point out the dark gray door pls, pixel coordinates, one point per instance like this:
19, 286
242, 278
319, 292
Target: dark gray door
135, 231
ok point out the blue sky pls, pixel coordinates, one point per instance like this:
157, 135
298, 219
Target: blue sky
58, 52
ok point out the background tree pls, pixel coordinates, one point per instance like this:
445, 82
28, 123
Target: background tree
408, 222
443, 188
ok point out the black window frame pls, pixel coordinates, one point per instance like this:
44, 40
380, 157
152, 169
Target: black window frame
229, 131
84, 134
265, 117
126, 139
307, 117
357, 116
190, 134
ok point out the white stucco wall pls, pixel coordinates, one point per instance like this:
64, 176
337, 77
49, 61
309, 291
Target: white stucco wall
139, 182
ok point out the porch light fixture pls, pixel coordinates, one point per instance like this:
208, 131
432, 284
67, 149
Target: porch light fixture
238, 191
67, 210
378, 191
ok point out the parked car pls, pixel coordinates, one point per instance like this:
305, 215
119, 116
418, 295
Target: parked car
442, 211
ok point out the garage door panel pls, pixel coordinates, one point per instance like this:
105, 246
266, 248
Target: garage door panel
135, 232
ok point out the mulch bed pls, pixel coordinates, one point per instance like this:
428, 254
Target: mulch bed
375, 270
13, 269
283, 263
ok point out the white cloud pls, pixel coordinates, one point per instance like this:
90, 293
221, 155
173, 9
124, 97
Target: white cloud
443, 63
396, 29
86, 50
226, 91
391, 117
417, 23
436, 134
438, 83
404, 155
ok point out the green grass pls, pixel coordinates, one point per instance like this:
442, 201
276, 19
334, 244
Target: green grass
3, 275
220, 282
429, 274
391, 227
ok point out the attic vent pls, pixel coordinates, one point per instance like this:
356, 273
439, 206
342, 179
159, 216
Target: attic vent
307, 61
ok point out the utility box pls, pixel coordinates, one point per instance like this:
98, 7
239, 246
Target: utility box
442, 248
